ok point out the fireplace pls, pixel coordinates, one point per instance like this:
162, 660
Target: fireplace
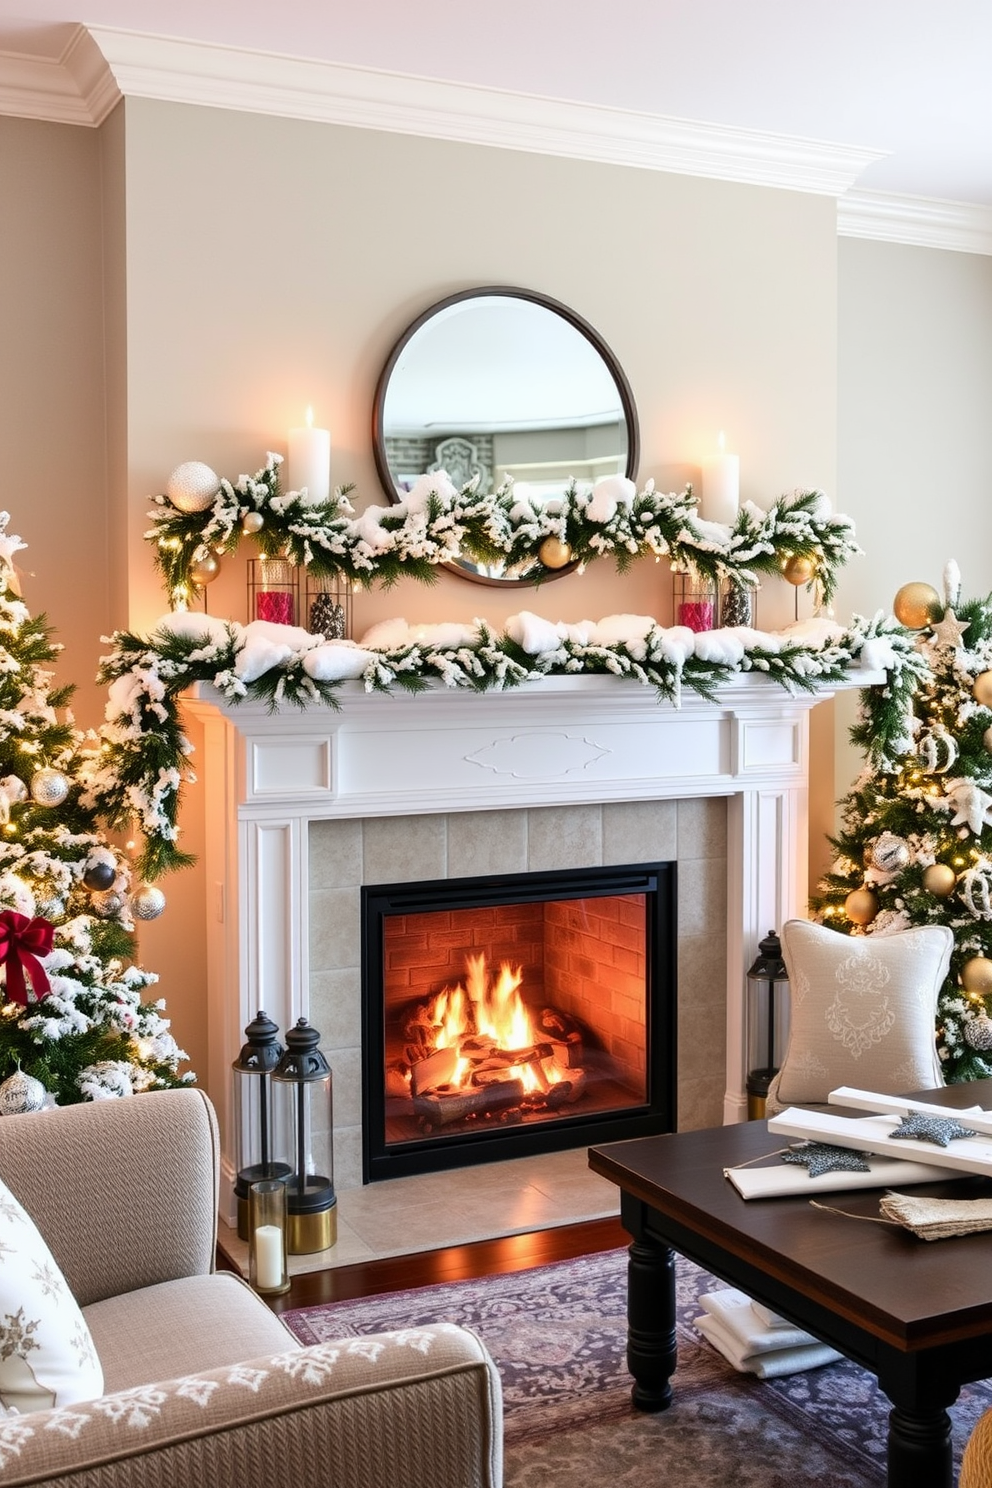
513, 1014
302, 810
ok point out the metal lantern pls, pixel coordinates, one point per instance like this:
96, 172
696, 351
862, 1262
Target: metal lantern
303, 1083
255, 1120
767, 1009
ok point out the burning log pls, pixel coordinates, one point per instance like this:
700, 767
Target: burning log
437, 1110
436, 1069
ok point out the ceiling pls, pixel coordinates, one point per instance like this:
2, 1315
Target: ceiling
903, 84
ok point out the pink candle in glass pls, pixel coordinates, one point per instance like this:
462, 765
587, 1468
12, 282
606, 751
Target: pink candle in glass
274, 605
697, 614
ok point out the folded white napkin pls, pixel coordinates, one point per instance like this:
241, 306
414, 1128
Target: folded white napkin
769, 1365
739, 1316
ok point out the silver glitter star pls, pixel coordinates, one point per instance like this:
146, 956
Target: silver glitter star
821, 1157
936, 1129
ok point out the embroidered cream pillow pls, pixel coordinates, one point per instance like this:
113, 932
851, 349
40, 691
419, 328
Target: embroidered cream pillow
863, 1011
47, 1356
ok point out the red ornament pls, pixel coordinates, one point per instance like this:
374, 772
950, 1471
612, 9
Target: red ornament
22, 941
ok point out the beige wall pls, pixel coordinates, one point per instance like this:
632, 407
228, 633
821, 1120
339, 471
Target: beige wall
914, 453
52, 401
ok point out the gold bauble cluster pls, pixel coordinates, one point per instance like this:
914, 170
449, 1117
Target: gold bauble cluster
916, 605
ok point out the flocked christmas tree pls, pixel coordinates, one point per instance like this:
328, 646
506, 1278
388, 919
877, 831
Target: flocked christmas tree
76, 1020
915, 846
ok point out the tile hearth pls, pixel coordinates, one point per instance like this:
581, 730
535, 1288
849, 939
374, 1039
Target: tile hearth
402, 1216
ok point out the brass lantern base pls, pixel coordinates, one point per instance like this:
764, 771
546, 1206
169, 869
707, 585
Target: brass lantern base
756, 1107
307, 1233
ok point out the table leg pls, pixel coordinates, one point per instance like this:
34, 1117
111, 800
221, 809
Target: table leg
651, 1324
919, 1449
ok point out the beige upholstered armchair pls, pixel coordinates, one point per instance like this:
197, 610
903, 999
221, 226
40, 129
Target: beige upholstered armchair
202, 1382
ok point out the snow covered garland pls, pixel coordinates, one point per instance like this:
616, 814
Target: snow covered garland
143, 754
204, 517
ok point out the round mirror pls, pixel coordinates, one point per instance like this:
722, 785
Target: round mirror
503, 384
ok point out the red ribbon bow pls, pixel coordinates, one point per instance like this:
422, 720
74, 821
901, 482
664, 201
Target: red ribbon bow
22, 941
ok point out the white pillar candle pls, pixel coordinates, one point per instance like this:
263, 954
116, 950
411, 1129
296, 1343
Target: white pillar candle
720, 495
310, 461
268, 1257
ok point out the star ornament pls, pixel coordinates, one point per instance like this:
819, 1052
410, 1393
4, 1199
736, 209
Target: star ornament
820, 1157
939, 1130
948, 632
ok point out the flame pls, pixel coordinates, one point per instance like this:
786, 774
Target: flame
492, 1009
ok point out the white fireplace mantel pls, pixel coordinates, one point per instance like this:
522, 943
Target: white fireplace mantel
557, 741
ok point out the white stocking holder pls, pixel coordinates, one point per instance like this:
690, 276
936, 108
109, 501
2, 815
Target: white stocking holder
558, 741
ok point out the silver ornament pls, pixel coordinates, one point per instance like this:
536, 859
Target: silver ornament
49, 787
192, 486
147, 902
976, 889
891, 854
20, 1093
977, 1033
50, 909
252, 521
107, 904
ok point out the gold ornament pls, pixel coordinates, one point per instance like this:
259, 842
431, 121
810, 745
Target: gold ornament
554, 553
939, 879
798, 570
252, 522
861, 906
976, 975
204, 570
981, 690
987, 740
192, 486
916, 604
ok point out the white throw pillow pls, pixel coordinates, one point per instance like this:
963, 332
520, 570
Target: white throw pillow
864, 1011
47, 1356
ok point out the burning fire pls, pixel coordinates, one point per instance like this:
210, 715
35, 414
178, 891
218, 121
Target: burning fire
492, 1011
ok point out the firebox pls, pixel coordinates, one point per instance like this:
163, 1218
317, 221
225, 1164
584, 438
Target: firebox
516, 1014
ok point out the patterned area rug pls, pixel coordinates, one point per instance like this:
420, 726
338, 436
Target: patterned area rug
558, 1335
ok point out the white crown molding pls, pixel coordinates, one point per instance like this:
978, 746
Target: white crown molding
74, 88
180, 71
920, 221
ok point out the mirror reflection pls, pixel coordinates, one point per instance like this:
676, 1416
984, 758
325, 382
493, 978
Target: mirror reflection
503, 384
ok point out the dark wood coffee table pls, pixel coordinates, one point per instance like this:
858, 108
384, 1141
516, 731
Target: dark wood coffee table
918, 1314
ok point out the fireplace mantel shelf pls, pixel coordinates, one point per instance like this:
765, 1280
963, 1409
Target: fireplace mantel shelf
559, 741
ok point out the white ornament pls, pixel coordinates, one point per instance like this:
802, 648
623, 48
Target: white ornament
147, 902
976, 889
971, 805
952, 584
192, 486
937, 749
20, 1093
12, 792
49, 787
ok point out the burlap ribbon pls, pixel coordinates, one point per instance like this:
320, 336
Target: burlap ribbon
22, 941
938, 1219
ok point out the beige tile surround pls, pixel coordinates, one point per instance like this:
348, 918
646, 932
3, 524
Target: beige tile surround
346, 854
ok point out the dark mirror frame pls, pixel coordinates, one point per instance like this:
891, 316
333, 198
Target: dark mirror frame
465, 570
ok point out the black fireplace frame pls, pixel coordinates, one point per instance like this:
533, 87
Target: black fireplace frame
657, 881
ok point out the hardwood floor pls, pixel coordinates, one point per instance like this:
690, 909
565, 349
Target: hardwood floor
457, 1263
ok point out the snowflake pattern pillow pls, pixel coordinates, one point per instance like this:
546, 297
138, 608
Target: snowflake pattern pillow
47, 1356
863, 1011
